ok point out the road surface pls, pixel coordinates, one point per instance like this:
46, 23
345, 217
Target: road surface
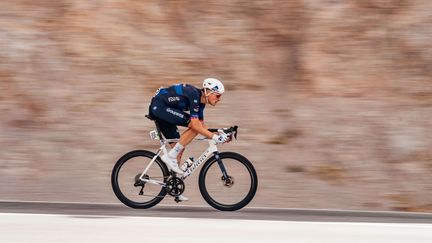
88, 222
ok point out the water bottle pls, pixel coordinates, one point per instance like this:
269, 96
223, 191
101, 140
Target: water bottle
188, 163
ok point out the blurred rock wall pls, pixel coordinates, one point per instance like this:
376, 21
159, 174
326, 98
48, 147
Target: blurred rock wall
333, 98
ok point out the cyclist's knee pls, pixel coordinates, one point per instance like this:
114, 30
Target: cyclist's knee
194, 133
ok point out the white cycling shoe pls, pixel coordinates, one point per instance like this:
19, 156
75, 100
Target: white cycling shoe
182, 198
172, 164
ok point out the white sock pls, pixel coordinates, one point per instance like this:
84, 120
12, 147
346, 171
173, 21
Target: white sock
175, 151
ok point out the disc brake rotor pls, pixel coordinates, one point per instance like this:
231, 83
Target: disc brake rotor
228, 182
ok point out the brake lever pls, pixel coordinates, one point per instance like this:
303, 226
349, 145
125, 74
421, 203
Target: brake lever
232, 131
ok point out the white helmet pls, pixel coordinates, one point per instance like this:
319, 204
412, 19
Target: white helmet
214, 85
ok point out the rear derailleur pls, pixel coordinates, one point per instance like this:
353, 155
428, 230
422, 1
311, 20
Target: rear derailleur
139, 182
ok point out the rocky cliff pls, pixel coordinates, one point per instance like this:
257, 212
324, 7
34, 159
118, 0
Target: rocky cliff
333, 98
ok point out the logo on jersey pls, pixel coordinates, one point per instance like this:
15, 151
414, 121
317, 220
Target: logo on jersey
195, 101
173, 99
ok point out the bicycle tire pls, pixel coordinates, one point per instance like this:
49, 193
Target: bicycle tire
235, 206
116, 187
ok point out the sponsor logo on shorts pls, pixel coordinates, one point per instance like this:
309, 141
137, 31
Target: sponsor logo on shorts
175, 113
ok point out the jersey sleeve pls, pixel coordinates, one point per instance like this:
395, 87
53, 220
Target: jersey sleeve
194, 100
201, 112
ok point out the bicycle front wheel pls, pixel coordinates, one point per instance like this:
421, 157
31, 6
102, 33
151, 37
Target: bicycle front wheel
127, 186
232, 192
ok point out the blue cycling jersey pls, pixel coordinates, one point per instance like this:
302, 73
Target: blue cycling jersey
184, 97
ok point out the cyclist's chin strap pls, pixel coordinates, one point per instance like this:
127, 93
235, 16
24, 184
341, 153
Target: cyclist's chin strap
206, 95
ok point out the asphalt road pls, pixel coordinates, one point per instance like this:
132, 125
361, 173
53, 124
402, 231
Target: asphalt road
180, 211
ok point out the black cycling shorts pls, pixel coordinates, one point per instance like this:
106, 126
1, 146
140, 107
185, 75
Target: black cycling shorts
168, 118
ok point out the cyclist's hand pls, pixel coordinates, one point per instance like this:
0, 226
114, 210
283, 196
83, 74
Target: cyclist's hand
220, 138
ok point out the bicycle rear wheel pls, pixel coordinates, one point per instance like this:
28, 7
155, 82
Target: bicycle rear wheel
234, 192
126, 184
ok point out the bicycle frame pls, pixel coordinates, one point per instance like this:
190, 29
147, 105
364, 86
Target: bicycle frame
211, 149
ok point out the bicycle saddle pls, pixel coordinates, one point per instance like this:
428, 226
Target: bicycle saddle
149, 117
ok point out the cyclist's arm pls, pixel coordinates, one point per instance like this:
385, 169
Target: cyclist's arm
197, 115
202, 123
198, 126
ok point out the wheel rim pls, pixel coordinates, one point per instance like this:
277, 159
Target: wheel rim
229, 192
129, 187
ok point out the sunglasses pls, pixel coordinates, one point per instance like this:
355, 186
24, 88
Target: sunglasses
218, 95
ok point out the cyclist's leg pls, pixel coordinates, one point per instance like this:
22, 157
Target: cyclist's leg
186, 137
169, 131
168, 118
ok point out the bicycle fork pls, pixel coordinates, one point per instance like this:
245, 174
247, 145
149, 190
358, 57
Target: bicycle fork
221, 165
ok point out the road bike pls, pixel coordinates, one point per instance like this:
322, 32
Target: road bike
227, 180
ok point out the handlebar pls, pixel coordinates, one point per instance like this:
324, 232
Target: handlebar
232, 131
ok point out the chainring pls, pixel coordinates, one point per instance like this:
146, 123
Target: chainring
175, 186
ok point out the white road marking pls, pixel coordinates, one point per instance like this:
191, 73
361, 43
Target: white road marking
47, 228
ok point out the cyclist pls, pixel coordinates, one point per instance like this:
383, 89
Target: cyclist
168, 107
